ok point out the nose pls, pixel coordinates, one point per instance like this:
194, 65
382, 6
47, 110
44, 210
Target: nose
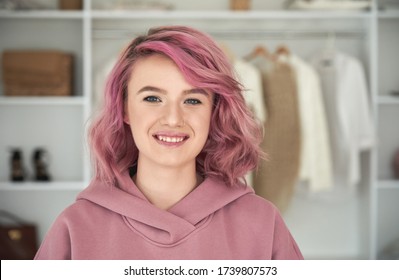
173, 116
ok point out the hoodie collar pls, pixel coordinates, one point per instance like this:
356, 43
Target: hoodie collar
164, 227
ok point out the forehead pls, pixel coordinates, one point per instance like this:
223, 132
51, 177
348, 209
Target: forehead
153, 61
152, 65
160, 70
156, 70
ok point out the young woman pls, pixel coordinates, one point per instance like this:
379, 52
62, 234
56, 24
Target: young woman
171, 148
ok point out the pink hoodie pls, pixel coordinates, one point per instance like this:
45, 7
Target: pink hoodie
212, 222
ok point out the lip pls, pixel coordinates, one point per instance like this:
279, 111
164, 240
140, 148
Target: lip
170, 139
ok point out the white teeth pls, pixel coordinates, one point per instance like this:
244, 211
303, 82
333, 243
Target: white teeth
170, 139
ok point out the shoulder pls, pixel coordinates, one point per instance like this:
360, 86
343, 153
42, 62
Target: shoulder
254, 200
255, 208
81, 211
263, 217
77, 216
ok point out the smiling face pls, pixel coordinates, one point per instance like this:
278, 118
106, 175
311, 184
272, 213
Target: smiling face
168, 117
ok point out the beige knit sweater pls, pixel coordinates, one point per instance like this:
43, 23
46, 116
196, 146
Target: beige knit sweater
276, 177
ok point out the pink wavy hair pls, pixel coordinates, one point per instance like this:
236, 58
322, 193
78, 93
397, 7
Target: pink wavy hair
232, 148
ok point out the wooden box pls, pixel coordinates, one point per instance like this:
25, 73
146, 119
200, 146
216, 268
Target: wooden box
37, 73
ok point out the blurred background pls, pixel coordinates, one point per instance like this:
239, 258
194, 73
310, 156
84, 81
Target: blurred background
322, 74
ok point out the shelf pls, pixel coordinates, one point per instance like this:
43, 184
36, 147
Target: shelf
38, 100
43, 186
388, 100
388, 184
42, 14
389, 14
99, 14
217, 15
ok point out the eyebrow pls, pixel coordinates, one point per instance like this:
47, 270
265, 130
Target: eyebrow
162, 91
151, 88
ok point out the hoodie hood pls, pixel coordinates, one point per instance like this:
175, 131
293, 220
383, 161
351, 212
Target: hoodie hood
163, 227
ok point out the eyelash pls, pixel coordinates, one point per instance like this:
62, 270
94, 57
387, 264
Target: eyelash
154, 99
192, 101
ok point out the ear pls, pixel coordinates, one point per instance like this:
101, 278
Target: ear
126, 119
126, 114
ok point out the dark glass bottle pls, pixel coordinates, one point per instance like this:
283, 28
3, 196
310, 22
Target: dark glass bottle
395, 164
40, 165
17, 168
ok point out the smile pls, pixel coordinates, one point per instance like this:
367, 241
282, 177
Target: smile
169, 139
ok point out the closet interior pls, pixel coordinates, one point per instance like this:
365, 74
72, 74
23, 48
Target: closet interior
341, 199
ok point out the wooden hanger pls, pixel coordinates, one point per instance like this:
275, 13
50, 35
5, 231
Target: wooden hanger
283, 50
259, 51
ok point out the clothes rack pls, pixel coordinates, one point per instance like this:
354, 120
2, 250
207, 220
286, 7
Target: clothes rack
244, 34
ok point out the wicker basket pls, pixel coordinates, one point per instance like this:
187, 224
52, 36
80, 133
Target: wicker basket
70, 4
240, 5
37, 73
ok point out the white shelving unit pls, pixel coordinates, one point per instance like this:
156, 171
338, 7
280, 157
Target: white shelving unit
353, 226
54, 123
38, 186
386, 193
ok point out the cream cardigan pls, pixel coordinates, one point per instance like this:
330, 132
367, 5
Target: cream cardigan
316, 165
348, 111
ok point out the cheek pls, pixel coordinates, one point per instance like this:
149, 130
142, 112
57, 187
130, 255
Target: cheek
139, 134
133, 113
131, 118
204, 126
141, 121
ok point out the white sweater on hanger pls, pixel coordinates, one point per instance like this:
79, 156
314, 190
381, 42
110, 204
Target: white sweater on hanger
316, 165
251, 79
349, 116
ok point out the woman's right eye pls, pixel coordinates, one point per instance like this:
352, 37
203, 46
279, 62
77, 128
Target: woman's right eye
152, 99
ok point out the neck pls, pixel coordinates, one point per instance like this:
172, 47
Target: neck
165, 186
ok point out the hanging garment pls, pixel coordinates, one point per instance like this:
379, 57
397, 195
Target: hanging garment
315, 164
276, 177
349, 117
250, 77
214, 221
328, 4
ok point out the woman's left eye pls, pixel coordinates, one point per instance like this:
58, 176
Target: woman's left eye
152, 99
192, 101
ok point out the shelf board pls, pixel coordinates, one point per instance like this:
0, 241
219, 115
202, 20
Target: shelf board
41, 100
388, 184
388, 14
43, 186
388, 100
40, 14
217, 15
175, 14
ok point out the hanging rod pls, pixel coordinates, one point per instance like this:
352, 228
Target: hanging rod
243, 34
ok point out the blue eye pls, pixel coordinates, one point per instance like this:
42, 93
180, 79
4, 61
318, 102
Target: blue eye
192, 101
152, 99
